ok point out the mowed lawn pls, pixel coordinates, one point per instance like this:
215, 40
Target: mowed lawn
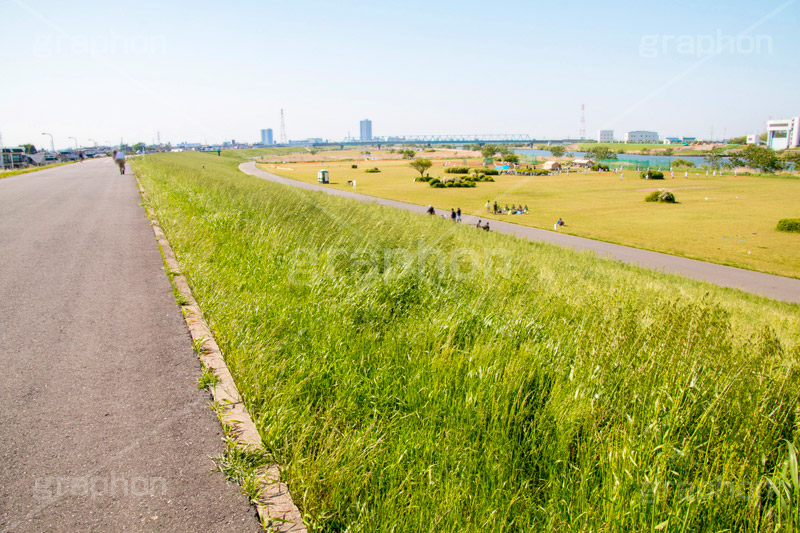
727, 220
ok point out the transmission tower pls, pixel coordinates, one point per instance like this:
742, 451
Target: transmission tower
283, 130
582, 132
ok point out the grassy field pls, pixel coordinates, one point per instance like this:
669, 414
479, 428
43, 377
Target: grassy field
416, 375
18, 171
727, 220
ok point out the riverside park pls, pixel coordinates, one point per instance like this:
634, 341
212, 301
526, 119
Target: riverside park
725, 218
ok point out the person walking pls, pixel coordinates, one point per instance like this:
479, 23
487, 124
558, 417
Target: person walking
119, 158
495, 207
458, 215
488, 206
452, 214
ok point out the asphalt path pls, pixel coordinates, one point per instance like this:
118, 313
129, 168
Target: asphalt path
767, 285
102, 426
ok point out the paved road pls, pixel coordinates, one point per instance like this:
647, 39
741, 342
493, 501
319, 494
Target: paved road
775, 287
102, 427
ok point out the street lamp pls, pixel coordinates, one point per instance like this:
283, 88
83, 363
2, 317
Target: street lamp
95, 142
76, 142
52, 144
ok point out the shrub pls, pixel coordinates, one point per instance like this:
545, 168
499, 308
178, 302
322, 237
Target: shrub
353, 166
654, 174
456, 170
789, 224
372, 170
425, 178
598, 167
683, 163
662, 196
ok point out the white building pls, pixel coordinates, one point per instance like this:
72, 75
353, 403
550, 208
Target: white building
605, 136
783, 134
754, 139
641, 137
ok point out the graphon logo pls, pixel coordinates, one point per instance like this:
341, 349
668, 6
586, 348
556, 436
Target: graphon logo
97, 46
307, 265
704, 45
51, 487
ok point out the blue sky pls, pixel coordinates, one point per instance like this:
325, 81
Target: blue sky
214, 71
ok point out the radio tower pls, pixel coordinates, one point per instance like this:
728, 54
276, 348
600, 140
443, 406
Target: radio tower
283, 130
582, 133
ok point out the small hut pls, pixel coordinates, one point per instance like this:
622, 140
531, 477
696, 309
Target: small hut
322, 176
552, 165
583, 163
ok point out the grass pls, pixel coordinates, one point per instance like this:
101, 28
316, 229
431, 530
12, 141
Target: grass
414, 375
723, 219
18, 171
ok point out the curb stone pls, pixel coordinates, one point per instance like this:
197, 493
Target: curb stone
275, 507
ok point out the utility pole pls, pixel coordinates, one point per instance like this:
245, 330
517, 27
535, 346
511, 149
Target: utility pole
2, 156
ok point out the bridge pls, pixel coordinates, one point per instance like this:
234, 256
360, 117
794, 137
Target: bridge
511, 138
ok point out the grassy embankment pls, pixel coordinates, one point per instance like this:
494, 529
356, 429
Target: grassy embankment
724, 219
18, 171
415, 375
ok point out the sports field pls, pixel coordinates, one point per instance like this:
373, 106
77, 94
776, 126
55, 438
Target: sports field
726, 220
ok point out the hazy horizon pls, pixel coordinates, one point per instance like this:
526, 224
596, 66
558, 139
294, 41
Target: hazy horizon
202, 72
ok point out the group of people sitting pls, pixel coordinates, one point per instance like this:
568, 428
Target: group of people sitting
513, 210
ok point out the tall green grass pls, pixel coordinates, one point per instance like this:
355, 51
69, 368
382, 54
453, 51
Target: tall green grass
414, 375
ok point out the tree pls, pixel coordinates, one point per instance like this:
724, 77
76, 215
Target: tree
601, 152
408, 154
761, 158
668, 151
714, 158
138, 147
557, 150
29, 148
488, 150
738, 140
421, 165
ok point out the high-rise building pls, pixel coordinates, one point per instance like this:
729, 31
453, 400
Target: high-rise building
266, 137
366, 130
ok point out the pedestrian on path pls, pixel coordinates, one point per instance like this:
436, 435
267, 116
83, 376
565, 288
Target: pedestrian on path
119, 158
458, 215
452, 214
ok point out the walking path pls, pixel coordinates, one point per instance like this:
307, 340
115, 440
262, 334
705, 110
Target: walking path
103, 428
770, 286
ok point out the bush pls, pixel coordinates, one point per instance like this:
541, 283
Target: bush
456, 170
662, 196
425, 178
598, 167
683, 163
372, 170
654, 174
789, 224
353, 166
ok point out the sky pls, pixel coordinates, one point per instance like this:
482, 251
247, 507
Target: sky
214, 71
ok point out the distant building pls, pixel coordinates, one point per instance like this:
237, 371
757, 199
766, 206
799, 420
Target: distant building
366, 130
783, 134
605, 136
552, 165
673, 140
266, 137
641, 137
754, 139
